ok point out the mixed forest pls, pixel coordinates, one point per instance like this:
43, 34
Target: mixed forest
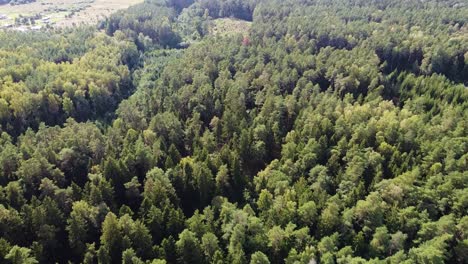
332, 131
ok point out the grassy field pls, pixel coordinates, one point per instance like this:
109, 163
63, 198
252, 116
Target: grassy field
63, 13
226, 26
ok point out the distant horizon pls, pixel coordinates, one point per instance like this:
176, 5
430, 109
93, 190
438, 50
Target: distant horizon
62, 14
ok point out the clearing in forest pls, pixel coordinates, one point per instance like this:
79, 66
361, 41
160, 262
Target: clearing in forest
227, 26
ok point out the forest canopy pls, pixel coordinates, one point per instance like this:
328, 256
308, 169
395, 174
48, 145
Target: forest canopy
332, 131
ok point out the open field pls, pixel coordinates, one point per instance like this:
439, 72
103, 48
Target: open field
60, 13
226, 26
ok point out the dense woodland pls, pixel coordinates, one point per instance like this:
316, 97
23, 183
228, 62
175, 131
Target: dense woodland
333, 131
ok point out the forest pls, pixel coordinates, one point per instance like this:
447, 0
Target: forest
331, 131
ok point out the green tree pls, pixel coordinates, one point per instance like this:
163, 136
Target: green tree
20, 255
188, 248
81, 226
129, 257
259, 258
111, 238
